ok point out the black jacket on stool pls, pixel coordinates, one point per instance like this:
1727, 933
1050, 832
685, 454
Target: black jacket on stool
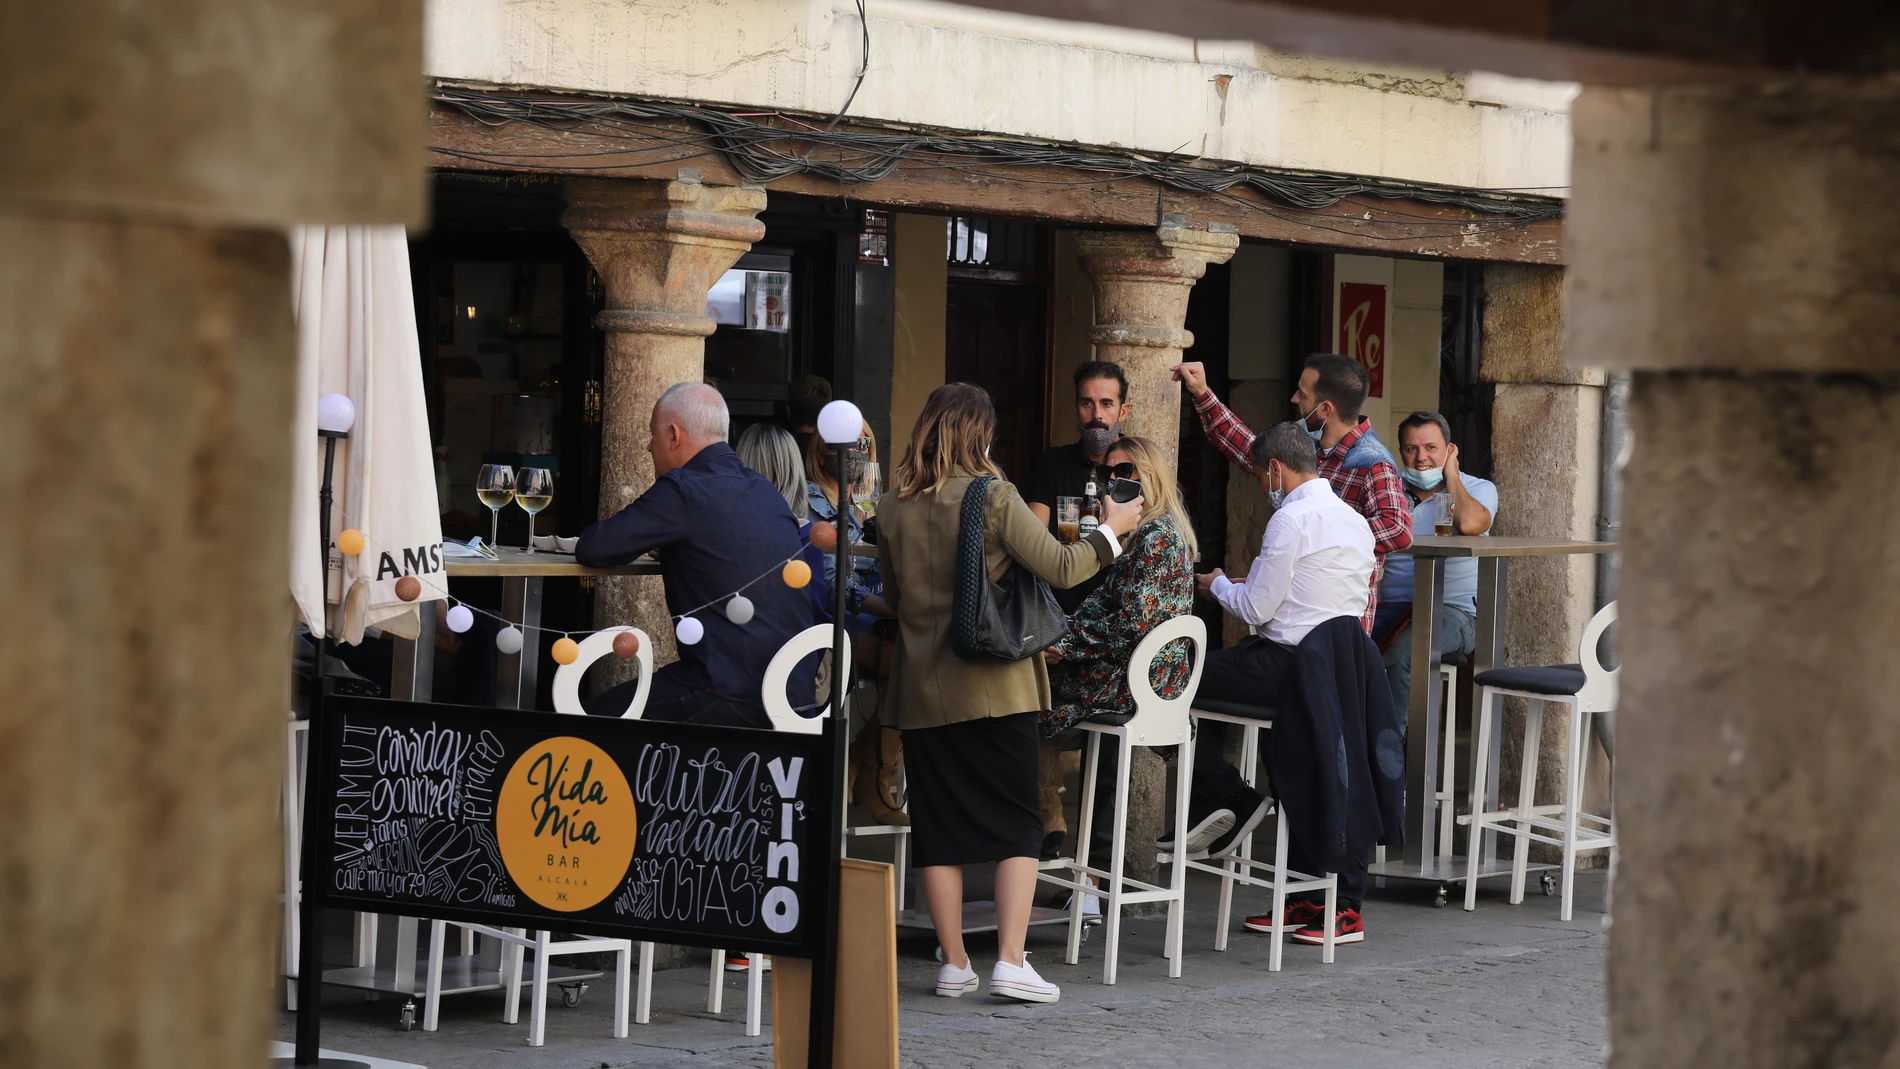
1338, 757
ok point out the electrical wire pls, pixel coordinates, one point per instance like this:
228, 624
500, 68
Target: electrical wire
762, 153
864, 68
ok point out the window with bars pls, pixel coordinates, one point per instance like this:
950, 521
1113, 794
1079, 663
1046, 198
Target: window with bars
976, 241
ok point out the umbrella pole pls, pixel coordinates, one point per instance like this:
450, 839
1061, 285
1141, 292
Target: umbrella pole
309, 915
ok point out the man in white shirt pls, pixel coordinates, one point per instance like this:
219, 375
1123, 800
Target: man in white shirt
1315, 564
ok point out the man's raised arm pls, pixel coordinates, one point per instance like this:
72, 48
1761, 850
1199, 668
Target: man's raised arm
1218, 422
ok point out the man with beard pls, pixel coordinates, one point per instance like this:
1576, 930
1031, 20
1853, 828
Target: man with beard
1101, 408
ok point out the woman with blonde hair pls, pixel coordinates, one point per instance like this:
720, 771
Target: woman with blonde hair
822, 501
971, 726
1150, 583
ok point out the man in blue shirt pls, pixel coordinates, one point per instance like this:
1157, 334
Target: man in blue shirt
1433, 483
715, 525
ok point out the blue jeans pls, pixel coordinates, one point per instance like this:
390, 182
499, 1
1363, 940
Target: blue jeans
1457, 632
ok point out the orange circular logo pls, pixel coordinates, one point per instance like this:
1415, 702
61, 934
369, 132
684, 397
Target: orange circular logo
566, 823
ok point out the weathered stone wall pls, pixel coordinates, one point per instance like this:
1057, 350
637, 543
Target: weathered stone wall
1546, 424
1759, 726
1733, 247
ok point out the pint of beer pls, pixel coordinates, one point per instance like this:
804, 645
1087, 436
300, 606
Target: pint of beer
1068, 519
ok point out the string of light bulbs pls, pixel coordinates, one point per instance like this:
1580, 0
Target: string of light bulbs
509, 639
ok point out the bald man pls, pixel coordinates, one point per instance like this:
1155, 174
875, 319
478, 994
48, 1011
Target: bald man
715, 525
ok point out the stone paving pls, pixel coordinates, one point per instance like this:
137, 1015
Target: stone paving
1506, 987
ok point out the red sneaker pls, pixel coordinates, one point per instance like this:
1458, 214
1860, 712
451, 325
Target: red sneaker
1348, 929
1299, 913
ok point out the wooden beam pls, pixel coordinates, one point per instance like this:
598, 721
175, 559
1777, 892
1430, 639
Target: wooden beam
1061, 195
1601, 42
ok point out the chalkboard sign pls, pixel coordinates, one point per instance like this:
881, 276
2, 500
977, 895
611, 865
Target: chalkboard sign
669, 832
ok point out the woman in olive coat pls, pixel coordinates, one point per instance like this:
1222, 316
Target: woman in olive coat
971, 727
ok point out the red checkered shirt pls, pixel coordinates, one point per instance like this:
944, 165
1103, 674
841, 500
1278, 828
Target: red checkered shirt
1374, 491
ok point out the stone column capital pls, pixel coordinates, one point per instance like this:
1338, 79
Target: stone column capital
658, 246
1173, 254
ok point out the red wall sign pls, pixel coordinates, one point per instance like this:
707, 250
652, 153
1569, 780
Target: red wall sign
1362, 330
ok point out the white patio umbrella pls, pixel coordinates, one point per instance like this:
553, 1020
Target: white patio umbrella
356, 335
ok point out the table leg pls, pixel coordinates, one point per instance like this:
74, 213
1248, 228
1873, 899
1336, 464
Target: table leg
412, 675
1493, 583
520, 604
1422, 727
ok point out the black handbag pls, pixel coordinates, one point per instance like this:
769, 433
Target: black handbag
992, 621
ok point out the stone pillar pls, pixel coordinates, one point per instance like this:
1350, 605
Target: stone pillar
658, 248
147, 390
1733, 248
1142, 280
1546, 424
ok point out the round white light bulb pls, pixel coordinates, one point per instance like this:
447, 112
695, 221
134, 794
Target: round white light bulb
335, 413
840, 423
508, 640
460, 619
689, 631
739, 610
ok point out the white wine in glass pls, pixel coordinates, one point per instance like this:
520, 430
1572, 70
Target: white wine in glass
865, 489
495, 486
534, 491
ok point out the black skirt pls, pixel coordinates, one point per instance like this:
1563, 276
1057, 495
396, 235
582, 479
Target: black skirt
974, 790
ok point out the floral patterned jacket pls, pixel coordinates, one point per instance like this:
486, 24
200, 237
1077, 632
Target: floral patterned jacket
1150, 583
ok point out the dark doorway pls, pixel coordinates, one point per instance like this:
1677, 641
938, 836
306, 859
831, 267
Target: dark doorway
1202, 469
997, 337
997, 329
1463, 397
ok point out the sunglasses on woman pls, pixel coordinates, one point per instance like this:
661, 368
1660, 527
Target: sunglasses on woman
1125, 470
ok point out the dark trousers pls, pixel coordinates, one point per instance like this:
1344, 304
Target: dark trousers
1251, 672
675, 701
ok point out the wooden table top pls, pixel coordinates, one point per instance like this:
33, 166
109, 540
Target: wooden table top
519, 562
1499, 546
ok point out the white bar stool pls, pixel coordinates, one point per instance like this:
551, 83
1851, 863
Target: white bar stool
1156, 721
1588, 688
1237, 864
515, 941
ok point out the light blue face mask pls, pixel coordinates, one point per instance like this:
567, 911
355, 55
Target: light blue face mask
1275, 497
1428, 479
1315, 434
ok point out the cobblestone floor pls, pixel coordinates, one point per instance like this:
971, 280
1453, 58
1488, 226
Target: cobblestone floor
1503, 986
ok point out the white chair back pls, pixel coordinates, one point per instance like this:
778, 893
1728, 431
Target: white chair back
1162, 721
779, 673
1599, 683
567, 678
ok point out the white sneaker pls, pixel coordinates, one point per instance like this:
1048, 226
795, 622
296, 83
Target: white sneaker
1021, 982
1092, 904
955, 982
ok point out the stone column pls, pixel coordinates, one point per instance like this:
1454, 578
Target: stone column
147, 393
1142, 280
658, 248
1546, 424
1733, 248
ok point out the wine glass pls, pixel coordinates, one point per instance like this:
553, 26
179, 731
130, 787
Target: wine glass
533, 493
864, 490
496, 487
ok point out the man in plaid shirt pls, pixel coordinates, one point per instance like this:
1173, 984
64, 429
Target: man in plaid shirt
1351, 457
